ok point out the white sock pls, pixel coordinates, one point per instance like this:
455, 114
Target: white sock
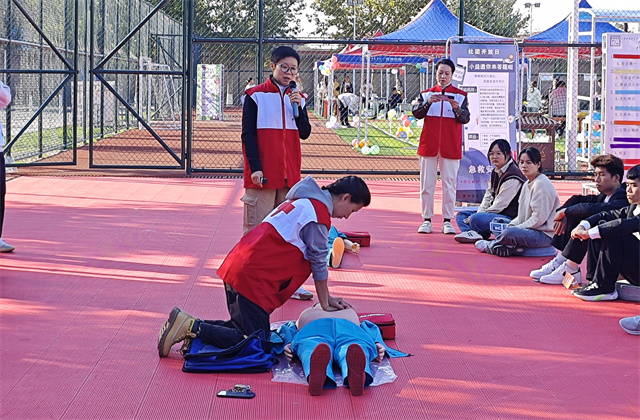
560, 259
573, 267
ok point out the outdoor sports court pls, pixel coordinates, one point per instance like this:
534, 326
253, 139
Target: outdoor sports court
100, 262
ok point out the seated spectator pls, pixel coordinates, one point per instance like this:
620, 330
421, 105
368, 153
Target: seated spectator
619, 231
501, 197
533, 226
322, 337
346, 86
394, 99
609, 171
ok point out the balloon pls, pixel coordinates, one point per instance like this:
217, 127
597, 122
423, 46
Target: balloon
423, 70
329, 124
418, 65
354, 143
394, 71
356, 120
374, 150
334, 59
365, 150
391, 114
362, 143
403, 135
425, 64
333, 66
406, 122
336, 125
333, 119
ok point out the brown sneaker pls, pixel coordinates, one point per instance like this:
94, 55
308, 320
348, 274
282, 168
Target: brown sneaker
176, 329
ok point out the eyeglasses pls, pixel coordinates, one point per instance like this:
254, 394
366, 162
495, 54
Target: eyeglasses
287, 69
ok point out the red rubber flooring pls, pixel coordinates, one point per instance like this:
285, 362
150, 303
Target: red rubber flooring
101, 261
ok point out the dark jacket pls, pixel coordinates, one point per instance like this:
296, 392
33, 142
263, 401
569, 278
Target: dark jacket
496, 182
614, 223
582, 206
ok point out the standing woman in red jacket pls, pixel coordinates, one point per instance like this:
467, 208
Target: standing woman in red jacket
445, 110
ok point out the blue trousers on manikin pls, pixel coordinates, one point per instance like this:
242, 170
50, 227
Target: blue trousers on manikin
338, 334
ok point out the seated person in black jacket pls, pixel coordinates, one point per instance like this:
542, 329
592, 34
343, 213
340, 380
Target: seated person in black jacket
609, 171
620, 244
394, 99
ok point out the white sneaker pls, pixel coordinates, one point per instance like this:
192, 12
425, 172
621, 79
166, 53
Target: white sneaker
468, 237
448, 229
557, 275
544, 270
302, 294
425, 227
5, 247
483, 245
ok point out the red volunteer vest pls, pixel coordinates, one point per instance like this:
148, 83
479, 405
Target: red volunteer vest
277, 136
441, 132
268, 264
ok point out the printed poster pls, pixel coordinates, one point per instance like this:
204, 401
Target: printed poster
209, 92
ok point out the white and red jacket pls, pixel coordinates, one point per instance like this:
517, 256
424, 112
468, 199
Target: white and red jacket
442, 130
268, 264
271, 135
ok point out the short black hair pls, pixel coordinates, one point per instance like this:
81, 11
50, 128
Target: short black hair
613, 164
634, 173
447, 62
283, 52
534, 155
352, 185
504, 147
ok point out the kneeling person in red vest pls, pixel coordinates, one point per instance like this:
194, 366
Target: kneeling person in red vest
271, 261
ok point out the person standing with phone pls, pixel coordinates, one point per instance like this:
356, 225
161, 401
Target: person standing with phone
445, 110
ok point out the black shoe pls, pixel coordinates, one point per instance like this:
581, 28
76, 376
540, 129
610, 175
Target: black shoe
593, 293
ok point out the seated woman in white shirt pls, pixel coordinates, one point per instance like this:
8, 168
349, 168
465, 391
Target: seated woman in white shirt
500, 199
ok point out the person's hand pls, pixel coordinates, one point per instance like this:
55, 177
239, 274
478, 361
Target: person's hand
255, 178
454, 104
337, 303
560, 226
288, 353
295, 97
434, 98
467, 220
560, 214
381, 352
580, 233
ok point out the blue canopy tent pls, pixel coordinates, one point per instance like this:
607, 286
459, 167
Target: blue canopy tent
434, 24
559, 33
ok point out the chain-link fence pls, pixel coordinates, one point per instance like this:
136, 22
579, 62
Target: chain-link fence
164, 81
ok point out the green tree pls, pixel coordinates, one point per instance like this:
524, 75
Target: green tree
497, 17
334, 18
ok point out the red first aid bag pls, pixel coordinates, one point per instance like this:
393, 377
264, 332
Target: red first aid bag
362, 238
385, 322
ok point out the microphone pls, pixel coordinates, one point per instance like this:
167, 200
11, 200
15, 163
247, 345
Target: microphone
292, 88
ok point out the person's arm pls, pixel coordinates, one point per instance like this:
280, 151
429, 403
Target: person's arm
249, 133
585, 209
486, 200
302, 122
5, 95
507, 192
421, 109
316, 236
463, 116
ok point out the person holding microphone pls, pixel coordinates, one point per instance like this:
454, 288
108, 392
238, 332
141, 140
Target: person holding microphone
274, 119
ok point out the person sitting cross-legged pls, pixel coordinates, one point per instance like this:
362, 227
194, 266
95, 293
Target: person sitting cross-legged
500, 199
533, 226
619, 231
609, 170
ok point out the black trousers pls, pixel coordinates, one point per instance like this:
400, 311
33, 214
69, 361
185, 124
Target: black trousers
575, 249
3, 190
344, 113
619, 255
246, 318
